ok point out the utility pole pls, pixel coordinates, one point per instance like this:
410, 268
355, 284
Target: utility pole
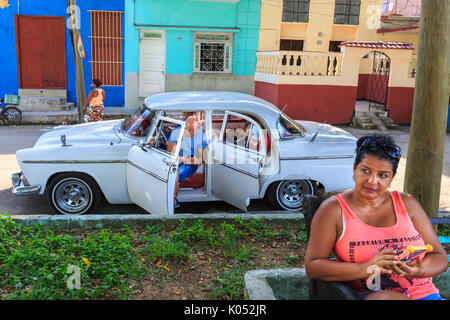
73, 24
425, 157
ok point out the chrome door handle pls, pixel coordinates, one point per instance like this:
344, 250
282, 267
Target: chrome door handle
166, 161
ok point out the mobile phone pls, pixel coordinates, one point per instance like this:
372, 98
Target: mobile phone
412, 253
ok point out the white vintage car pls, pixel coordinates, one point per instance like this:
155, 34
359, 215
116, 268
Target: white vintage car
126, 161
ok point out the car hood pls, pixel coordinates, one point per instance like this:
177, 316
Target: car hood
330, 142
327, 133
85, 133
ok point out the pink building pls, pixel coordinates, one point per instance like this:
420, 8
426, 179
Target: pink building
406, 8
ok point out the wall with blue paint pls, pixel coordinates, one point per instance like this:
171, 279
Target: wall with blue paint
190, 16
9, 75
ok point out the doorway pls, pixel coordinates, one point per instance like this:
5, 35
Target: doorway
41, 52
152, 59
378, 80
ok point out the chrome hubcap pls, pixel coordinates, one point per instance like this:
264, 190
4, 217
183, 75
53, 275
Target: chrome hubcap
291, 193
73, 196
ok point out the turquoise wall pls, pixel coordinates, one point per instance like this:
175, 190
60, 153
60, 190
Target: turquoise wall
181, 18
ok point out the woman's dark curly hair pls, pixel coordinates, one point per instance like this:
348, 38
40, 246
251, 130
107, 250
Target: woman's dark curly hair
379, 145
97, 82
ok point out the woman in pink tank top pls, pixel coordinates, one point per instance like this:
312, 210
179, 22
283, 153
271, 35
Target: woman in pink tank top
95, 101
368, 226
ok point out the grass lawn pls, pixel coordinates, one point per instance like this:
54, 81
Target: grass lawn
192, 260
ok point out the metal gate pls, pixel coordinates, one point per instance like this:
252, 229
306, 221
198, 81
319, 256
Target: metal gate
379, 80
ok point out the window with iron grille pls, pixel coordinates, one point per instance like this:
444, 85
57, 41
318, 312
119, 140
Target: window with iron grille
212, 52
347, 12
106, 43
295, 10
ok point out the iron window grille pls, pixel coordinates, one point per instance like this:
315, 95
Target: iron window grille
295, 10
213, 52
347, 12
106, 43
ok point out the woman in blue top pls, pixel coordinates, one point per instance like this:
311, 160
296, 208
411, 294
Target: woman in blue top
192, 150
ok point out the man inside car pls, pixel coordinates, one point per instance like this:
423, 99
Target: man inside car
192, 151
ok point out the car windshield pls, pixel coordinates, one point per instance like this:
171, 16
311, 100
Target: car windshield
289, 128
138, 123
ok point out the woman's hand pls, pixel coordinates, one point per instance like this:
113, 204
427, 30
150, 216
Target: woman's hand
384, 260
414, 270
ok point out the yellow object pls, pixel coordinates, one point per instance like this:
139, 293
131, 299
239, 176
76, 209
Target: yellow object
427, 248
412, 253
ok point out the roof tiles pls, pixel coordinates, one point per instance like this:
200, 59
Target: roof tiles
378, 45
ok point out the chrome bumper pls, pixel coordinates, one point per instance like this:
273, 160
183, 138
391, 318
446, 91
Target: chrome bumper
21, 186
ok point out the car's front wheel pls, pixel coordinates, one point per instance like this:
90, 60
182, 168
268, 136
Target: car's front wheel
288, 194
73, 193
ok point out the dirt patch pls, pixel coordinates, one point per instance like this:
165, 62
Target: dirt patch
194, 280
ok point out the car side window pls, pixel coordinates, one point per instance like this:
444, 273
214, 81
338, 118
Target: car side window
160, 137
242, 133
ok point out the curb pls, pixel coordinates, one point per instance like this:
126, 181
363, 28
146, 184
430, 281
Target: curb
136, 221
293, 284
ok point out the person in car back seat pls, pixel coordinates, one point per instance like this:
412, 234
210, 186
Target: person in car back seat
192, 151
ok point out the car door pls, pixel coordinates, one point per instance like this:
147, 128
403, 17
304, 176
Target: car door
235, 165
152, 170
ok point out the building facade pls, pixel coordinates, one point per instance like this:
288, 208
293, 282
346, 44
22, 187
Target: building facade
183, 45
317, 58
37, 55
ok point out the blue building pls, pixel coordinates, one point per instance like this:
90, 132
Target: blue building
182, 45
36, 47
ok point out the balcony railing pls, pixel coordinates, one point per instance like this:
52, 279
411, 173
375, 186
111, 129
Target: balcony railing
300, 63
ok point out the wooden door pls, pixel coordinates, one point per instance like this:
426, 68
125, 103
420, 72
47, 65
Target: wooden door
152, 57
41, 52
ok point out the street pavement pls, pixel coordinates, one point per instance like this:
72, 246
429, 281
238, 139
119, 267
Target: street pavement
18, 137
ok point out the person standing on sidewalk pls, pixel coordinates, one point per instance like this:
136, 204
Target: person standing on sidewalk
95, 100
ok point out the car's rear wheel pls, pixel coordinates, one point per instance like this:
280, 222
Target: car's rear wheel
73, 193
288, 194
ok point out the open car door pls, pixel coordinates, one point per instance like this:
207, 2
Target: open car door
237, 159
152, 170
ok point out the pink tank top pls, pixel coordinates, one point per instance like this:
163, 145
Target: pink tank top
98, 100
360, 242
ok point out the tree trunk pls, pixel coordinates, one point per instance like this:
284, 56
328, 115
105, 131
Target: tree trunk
80, 88
425, 157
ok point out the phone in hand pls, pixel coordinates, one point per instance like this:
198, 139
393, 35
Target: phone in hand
412, 253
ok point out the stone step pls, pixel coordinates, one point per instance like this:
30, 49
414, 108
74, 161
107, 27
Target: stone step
392, 126
363, 123
35, 104
367, 126
363, 119
360, 114
50, 117
386, 120
381, 113
50, 93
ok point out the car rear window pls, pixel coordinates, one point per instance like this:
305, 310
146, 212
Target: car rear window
289, 128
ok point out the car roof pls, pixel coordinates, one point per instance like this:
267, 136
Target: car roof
214, 100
